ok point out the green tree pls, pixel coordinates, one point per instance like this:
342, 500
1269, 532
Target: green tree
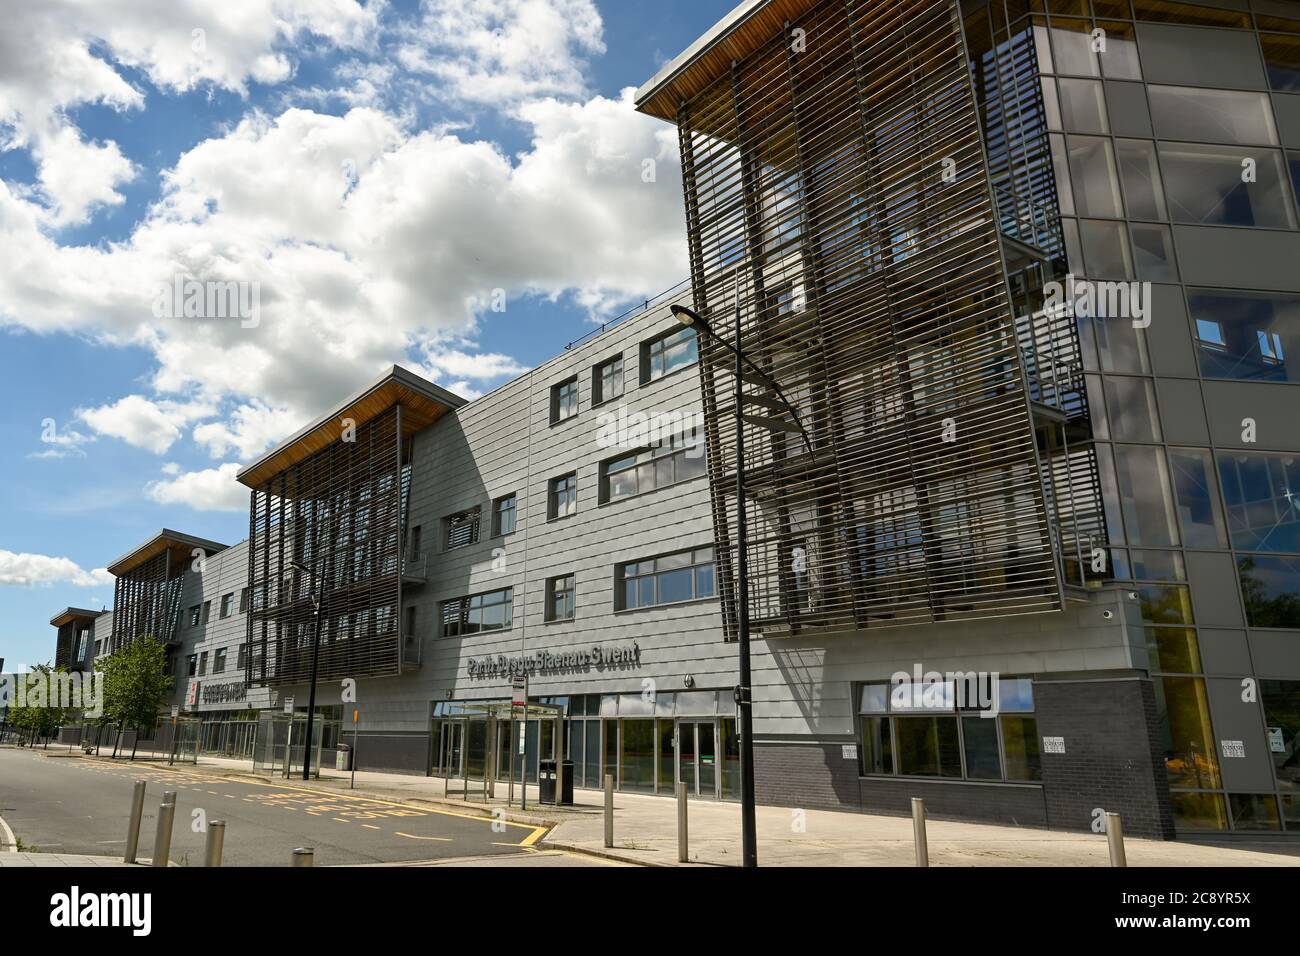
136, 685
39, 716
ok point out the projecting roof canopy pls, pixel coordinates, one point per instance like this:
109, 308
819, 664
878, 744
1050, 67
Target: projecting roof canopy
181, 545
70, 614
734, 37
423, 403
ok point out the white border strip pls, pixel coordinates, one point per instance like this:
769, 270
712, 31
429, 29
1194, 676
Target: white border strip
9, 836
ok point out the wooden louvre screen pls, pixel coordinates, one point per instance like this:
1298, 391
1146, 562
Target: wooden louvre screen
837, 194
340, 513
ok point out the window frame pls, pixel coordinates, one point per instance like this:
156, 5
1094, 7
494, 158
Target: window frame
470, 519
464, 605
598, 394
553, 592
694, 563
649, 354
565, 405
553, 512
497, 525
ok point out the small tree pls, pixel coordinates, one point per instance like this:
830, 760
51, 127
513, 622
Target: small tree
136, 684
39, 716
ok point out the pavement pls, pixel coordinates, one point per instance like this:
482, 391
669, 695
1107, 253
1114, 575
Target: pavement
645, 832
645, 828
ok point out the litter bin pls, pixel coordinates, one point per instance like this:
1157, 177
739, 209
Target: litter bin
546, 782
343, 757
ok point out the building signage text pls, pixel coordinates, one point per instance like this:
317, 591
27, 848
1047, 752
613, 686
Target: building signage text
599, 656
223, 693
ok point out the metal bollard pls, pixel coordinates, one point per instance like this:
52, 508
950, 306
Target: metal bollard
609, 809
918, 831
162, 841
1115, 840
216, 843
304, 856
683, 842
133, 825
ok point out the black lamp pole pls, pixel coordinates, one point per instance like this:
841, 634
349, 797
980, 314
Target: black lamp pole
744, 692
317, 600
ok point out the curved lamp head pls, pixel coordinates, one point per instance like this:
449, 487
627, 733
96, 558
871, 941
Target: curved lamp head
689, 317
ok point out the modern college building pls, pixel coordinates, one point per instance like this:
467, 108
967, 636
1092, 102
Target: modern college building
1025, 273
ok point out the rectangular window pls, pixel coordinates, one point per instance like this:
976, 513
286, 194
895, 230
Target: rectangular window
564, 400
1282, 726
1192, 471
669, 352
461, 529
410, 622
1132, 405
1183, 719
203, 663
561, 593
1204, 186
1083, 108
1282, 56
679, 458
1020, 747
243, 657
877, 745
493, 611
672, 578
1262, 495
243, 600
219, 661
1212, 116
503, 516
1253, 336
927, 746
1141, 177
207, 612
195, 611
1092, 169
607, 381
191, 665
1270, 587
563, 496
1145, 497
227, 605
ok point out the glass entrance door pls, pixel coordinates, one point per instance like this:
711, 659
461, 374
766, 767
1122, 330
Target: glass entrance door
697, 753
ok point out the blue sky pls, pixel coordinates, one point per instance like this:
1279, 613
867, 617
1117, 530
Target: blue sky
375, 171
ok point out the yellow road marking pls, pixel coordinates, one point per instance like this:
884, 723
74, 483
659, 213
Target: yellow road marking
371, 826
533, 837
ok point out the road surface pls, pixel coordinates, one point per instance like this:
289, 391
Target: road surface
72, 804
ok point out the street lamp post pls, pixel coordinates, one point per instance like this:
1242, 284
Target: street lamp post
317, 601
744, 692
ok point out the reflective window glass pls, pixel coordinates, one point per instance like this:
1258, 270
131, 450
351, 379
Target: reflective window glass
1192, 471
1141, 177
1247, 335
1208, 185
1212, 116
1092, 170
1261, 492
1270, 588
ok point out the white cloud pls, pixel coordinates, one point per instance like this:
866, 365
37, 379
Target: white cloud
139, 421
366, 240
56, 55
251, 429
504, 51
213, 489
28, 570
